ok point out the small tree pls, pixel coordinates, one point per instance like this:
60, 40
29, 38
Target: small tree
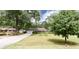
65, 23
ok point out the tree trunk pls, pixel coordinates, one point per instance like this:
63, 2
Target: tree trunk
17, 19
65, 39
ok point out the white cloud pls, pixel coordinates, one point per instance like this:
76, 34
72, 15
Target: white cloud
32, 20
48, 13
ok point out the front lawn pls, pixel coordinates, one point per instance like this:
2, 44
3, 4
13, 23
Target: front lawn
45, 40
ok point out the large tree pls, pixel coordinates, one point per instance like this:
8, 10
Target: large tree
20, 19
25, 20
36, 15
4, 21
65, 23
14, 14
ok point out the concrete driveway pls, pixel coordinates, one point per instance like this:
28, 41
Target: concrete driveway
7, 40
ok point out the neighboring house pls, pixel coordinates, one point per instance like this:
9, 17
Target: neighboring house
7, 31
40, 30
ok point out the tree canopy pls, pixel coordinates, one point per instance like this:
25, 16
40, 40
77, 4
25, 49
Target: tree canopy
20, 19
65, 23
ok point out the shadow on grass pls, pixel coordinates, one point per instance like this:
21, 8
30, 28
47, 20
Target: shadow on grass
62, 42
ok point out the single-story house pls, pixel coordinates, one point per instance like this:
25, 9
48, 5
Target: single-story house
40, 30
7, 31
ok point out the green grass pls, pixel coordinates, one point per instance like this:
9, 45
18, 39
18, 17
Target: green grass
45, 40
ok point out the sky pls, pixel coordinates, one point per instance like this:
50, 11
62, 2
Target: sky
45, 13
